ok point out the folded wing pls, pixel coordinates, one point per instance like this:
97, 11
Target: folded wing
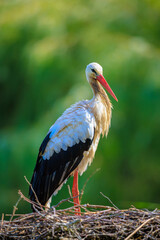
61, 152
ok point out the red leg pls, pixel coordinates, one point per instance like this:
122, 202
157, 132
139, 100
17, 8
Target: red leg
75, 193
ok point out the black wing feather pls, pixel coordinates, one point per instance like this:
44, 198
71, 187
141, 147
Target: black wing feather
50, 174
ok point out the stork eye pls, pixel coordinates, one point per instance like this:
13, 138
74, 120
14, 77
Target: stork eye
93, 71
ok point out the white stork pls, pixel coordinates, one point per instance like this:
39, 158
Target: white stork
72, 140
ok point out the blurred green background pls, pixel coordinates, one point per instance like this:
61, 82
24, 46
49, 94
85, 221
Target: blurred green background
44, 49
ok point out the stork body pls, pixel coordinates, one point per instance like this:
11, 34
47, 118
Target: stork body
71, 142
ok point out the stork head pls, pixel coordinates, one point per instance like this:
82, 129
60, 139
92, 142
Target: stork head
94, 72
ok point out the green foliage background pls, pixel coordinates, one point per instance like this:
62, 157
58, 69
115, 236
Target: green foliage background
44, 49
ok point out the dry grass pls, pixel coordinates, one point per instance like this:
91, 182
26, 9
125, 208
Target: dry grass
95, 222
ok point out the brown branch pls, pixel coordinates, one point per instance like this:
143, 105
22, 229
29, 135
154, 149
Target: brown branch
2, 219
109, 200
137, 229
29, 201
69, 190
84, 186
39, 204
15, 209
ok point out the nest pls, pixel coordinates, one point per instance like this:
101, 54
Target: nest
95, 222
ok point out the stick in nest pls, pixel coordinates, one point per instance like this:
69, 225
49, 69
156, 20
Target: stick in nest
84, 186
109, 200
39, 204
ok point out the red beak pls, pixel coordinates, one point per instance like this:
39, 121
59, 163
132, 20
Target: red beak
104, 83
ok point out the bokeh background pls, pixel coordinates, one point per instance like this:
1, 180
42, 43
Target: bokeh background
44, 49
